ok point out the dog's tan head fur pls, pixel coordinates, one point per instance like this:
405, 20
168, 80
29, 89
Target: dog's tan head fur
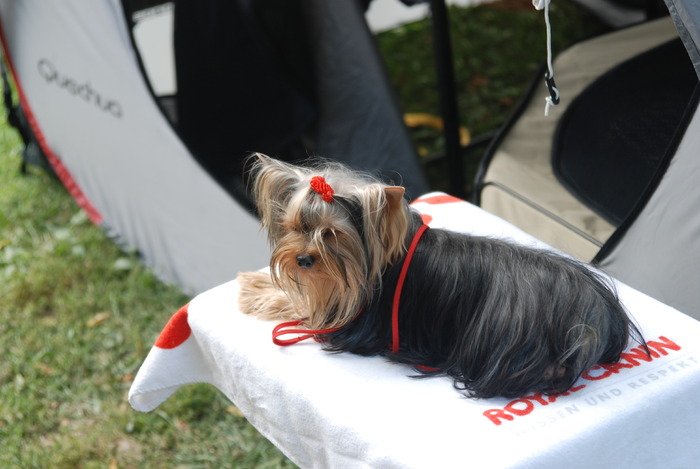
328, 256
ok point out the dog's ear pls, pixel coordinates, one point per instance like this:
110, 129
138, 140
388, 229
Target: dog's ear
261, 158
255, 161
394, 197
393, 232
272, 183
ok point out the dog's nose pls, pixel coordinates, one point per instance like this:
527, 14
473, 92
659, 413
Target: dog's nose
305, 261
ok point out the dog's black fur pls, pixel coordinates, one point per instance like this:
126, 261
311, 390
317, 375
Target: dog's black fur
495, 316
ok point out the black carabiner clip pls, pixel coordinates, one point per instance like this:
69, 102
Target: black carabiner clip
552, 87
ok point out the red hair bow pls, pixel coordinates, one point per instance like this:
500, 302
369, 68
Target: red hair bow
320, 186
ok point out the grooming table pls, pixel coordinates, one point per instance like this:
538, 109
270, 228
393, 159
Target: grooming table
328, 410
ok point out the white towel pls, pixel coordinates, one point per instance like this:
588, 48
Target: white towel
340, 410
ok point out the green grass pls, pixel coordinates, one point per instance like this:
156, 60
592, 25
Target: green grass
78, 316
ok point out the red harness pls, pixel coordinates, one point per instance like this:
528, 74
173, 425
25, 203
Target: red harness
289, 326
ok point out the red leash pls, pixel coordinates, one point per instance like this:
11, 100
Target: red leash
282, 329
289, 327
399, 288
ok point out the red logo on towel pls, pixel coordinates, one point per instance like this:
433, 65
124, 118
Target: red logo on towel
176, 331
630, 359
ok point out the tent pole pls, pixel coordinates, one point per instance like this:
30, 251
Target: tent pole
442, 48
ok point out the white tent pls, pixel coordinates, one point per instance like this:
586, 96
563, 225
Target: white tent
170, 185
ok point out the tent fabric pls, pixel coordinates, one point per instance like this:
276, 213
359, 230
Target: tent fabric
686, 17
660, 251
82, 83
609, 160
289, 79
359, 122
519, 183
233, 94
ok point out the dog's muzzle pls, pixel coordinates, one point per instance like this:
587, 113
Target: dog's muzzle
305, 261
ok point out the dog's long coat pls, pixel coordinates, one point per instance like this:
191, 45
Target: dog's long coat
499, 318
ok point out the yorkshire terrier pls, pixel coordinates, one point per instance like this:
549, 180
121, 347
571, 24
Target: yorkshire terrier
358, 270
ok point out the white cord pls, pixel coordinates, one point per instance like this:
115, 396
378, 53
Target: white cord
550, 100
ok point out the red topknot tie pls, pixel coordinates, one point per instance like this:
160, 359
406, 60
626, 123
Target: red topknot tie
320, 186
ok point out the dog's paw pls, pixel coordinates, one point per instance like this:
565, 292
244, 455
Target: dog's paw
252, 282
259, 297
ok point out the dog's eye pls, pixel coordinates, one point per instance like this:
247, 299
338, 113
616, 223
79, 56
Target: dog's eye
327, 234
